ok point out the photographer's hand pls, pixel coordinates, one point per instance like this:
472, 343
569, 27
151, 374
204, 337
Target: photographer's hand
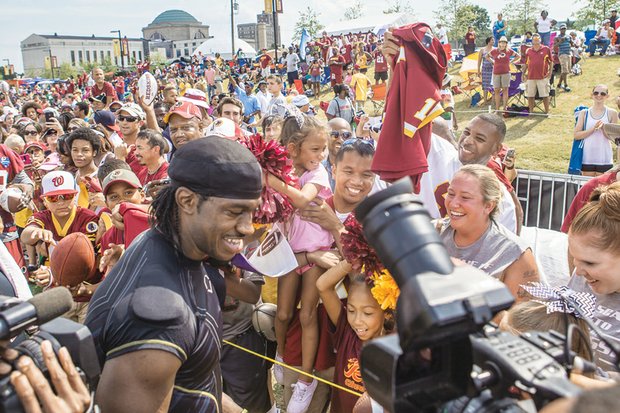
36, 394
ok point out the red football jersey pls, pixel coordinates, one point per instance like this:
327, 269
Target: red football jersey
413, 101
108, 89
145, 177
380, 62
81, 220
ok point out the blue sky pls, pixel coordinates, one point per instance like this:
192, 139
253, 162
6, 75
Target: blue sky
86, 17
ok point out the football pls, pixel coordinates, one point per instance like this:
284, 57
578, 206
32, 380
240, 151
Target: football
263, 320
72, 260
11, 200
4, 86
147, 87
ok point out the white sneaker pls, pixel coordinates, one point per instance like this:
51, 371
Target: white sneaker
301, 397
278, 370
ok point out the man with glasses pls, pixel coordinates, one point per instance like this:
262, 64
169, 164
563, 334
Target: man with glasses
538, 65
340, 131
130, 119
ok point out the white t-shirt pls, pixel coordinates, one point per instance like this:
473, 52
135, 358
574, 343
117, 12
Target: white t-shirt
291, 62
544, 25
442, 34
443, 162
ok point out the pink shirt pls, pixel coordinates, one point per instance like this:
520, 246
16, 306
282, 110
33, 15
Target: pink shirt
210, 76
308, 236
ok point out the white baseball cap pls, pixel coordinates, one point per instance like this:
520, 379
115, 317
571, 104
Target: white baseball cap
58, 183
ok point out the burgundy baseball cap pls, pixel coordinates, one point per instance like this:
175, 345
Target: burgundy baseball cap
186, 110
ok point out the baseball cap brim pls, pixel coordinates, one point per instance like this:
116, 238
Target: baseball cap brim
127, 181
195, 102
60, 192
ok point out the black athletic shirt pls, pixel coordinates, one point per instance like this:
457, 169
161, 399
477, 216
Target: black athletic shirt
154, 298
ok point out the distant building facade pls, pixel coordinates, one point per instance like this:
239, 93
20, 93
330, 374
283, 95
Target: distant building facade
75, 50
260, 34
175, 33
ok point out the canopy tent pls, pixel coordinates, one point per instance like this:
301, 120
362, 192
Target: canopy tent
222, 46
376, 23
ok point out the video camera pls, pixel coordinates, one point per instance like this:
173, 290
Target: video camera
445, 348
44, 310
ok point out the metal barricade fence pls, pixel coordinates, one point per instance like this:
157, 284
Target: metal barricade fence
545, 196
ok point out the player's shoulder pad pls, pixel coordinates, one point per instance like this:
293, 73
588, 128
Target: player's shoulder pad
160, 305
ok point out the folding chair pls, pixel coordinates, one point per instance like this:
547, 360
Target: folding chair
378, 97
516, 90
471, 85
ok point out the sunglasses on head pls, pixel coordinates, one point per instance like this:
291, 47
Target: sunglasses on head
352, 141
122, 118
343, 134
596, 93
57, 198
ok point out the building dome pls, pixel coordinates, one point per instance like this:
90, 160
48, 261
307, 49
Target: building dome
174, 16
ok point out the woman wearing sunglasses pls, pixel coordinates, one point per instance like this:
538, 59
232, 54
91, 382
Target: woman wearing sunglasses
597, 152
30, 131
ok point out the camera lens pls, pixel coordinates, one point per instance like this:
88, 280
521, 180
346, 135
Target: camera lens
398, 227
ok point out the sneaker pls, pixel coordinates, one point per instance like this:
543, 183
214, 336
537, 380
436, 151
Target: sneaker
567, 89
301, 397
278, 370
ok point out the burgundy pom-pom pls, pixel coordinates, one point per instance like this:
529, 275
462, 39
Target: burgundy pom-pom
273, 158
356, 249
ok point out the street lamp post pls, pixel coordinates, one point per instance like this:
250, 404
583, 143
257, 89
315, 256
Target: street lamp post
51, 63
120, 46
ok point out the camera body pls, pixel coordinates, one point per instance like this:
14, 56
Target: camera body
61, 332
444, 348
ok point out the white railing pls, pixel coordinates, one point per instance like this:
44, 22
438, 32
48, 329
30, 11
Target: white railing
545, 196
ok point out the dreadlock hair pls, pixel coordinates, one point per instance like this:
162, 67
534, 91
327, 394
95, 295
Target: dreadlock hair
165, 213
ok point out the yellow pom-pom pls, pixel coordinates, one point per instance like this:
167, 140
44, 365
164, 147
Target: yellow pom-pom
385, 290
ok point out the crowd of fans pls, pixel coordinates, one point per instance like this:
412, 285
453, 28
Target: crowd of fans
168, 193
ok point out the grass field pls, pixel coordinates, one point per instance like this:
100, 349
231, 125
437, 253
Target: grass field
543, 144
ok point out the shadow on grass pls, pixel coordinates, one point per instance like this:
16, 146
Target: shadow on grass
523, 126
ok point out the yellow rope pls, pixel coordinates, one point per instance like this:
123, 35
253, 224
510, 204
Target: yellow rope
329, 383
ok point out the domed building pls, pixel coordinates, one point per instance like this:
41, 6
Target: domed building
177, 32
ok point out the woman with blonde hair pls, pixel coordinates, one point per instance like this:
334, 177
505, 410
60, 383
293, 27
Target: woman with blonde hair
594, 244
471, 233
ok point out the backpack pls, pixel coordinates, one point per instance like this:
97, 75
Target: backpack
475, 99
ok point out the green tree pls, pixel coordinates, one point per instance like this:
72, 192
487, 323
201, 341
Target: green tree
354, 12
449, 15
521, 15
596, 10
480, 20
398, 6
309, 20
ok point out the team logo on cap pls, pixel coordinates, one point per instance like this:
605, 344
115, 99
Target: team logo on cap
115, 174
58, 181
92, 227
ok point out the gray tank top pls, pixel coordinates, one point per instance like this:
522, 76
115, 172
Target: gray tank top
492, 253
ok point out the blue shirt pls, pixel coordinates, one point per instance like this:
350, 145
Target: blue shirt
250, 103
564, 47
